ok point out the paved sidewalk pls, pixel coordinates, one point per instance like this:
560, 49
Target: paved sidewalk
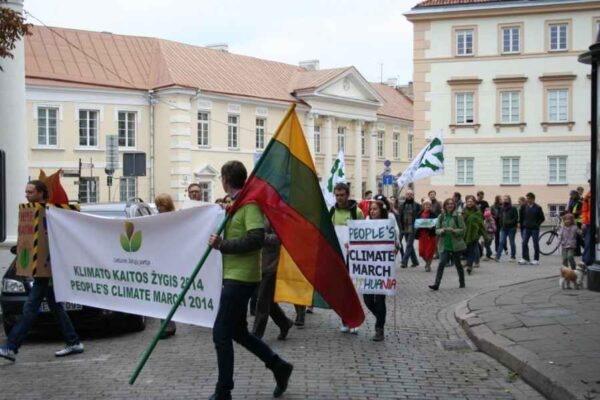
547, 336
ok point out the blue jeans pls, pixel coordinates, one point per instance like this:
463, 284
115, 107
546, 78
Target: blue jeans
534, 234
40, 289
504, 232
410, 249
230, 325
472, 253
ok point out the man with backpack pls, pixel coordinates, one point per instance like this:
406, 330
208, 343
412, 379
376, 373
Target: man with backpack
408, 212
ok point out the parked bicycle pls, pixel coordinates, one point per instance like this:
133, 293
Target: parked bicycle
549, 241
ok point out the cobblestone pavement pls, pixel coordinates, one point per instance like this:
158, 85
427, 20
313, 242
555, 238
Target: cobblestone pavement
426, 355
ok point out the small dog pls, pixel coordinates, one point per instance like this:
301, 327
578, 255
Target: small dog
567, 275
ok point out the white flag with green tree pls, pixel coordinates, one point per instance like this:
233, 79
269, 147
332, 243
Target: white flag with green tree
429, 162
336, 175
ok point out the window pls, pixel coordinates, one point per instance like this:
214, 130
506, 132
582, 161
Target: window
127, 128
233, 129
511, 107
203, 129
127, 188
464, 108
205, 191
464, 42
317, 139
556, 210
557, 170
341, 139
558, 109
558, 36
396, 145
510, 170
464, 171
88, 128
88, 189
363, 143
47, 126
260, 133
511, 39
410, 145
380, 144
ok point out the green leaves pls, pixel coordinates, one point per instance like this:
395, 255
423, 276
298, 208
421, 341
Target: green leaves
131, 241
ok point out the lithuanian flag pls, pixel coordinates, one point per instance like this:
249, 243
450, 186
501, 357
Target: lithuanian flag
284, 184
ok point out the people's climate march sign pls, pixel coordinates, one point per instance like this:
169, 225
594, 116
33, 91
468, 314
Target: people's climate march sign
138, 266
372, 256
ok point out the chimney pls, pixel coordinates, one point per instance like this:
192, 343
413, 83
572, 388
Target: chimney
309, 65
392, 82
219, 46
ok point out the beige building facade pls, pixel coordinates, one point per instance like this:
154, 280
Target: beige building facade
190, 109
502, 81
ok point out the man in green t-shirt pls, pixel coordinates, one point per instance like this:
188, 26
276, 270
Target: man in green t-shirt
240, 246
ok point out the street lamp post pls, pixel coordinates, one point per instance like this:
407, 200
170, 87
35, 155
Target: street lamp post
593, 57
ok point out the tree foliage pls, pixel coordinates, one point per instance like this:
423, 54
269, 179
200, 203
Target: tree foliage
12, 29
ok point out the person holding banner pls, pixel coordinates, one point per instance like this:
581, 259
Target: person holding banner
425, 225
450, 228
37, 192
244, 236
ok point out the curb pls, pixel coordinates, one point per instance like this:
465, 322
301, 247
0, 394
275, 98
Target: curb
552, 382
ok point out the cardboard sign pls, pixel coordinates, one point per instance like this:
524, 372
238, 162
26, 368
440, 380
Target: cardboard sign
32, 243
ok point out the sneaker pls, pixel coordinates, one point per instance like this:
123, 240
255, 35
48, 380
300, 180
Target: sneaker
354, 331
69, 350
7, 353
534, 262
344, 328
523, 261
379, 336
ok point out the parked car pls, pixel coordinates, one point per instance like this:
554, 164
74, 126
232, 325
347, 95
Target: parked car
15, 289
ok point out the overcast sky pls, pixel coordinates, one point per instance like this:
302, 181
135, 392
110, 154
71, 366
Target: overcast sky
363, 33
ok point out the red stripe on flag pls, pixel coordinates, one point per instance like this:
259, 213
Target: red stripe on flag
316, 258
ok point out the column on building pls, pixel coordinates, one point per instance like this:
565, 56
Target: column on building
372, 182
358, 124
309, 132
13, 131
180, 132
328, 147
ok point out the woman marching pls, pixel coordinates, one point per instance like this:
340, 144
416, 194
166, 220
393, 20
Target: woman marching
450, 228
473, 231
426, 236
378, 209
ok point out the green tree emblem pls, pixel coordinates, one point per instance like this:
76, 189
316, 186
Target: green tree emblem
131, 241
339, 173
433, 161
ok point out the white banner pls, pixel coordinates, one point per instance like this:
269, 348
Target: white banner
139, 265
372, 256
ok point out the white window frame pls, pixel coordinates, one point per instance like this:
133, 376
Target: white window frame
513, 114
89, 185
87, 128
341, 139
46, 128
462, 170
559, 36
554, 163
461, 38
396, 145
317, 139
130, 137
380, 144
513, 170
127, 188
556, 210
555, 102
410, 145
461, 99
511, 39
261, 128
233, 132
205, 191
203, 129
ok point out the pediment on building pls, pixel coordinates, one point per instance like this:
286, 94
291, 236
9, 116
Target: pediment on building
206, 171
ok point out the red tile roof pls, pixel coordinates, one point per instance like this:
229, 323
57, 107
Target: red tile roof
61, 56
440, 3
396, 105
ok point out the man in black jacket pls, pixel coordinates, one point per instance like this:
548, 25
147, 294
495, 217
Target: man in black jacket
407, 213
531, 216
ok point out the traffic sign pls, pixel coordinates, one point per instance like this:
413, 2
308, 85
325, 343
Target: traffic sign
387, 180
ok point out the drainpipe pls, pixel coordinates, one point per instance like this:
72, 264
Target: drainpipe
152, 147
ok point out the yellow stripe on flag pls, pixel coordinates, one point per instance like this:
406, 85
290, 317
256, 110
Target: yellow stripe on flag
290, 134
291, 286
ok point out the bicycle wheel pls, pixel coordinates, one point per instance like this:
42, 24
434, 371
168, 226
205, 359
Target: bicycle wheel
549, 242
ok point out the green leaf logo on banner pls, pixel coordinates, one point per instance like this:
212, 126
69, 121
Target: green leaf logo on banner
24, 258
131, 241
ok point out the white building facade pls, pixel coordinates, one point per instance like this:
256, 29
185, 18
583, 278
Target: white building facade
501, 79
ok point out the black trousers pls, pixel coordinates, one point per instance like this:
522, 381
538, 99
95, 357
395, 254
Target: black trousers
265, 306
445, 258
376, 304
